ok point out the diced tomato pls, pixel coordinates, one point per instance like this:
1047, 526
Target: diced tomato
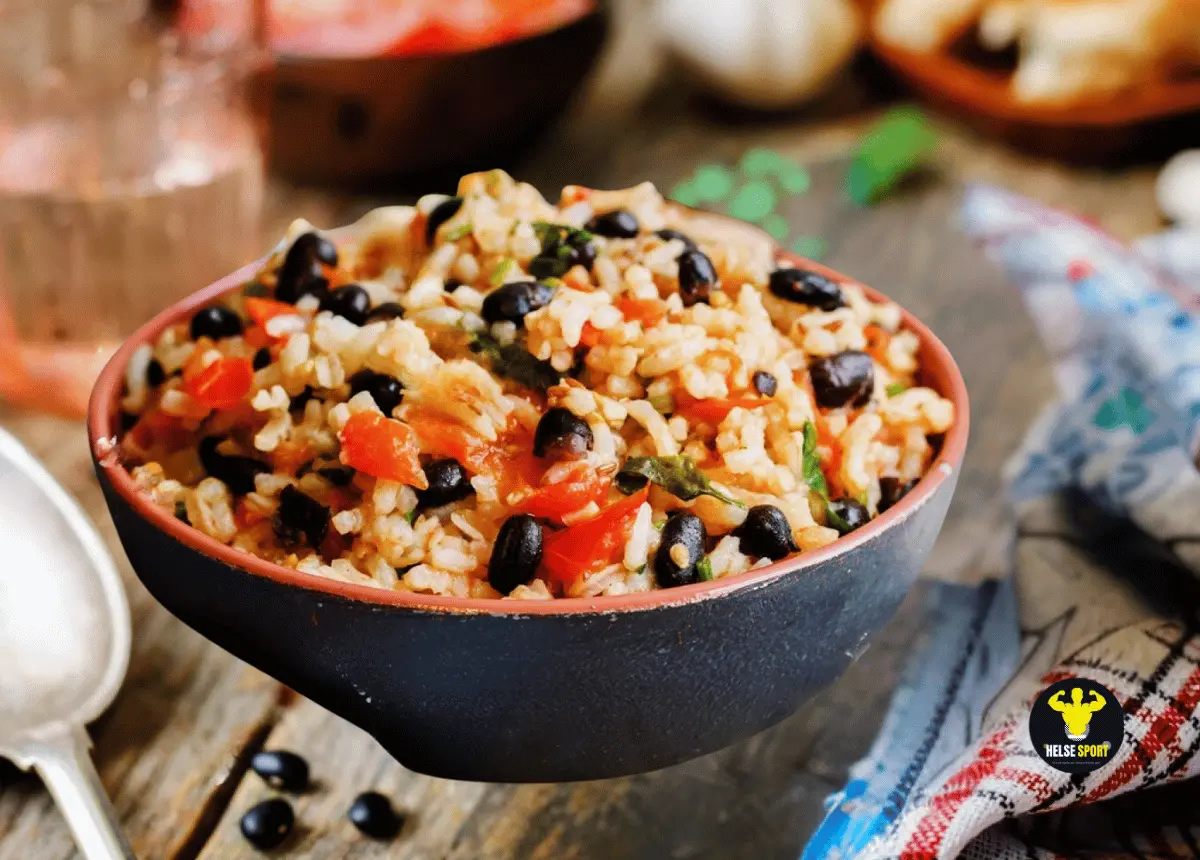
649, 312
585, 547
712, 410
245, 517
383, 448
877, 343
339, 500
257, 337
290, 456
333, 545
156, 426
515, 472
220, 385
553, 501
262, 310
444, 437
590, 336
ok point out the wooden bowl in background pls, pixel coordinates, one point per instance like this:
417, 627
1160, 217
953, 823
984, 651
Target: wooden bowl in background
422, 120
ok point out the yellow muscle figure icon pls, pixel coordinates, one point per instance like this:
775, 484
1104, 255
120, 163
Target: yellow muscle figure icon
1076, 714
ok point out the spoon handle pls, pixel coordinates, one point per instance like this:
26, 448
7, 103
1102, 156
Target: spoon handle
63, 762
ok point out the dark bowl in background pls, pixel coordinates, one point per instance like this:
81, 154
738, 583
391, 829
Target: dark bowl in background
536, 691
416, 120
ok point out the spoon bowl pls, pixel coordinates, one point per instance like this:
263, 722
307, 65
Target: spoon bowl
64, 642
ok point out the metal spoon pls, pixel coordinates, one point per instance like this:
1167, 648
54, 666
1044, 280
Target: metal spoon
64, 643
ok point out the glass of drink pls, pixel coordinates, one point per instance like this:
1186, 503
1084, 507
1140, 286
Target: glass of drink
130, 175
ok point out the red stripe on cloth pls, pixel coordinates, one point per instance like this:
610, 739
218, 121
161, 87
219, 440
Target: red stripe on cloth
1161, 733
929, 832
1034, 783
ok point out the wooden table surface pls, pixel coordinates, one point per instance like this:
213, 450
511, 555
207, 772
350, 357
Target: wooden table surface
172, 751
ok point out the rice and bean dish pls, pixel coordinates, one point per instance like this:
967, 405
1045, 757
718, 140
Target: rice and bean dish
489, 395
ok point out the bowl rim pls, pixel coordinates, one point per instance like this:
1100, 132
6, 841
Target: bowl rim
936, 362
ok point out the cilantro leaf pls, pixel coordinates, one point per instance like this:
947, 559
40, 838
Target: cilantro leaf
678, 475
892, 149
515, 362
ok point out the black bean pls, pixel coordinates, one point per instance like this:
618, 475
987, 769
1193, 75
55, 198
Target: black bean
562, 435
685, 529
618, 224
127, 420
282, 770
559, 256
311, 282
448, 482
511, 302
386, 391
301, 274
848, 377
235, 471
266, 825
806, 288
852, 514
339, 476
766, 533
216, 322
373, 815
261, 358
765, 383
439, 215
300, 514
155, 375
312, 246
667, 234
892, 490
301, 400
516, 553
697, 277
349, 301
386, 311
181, 513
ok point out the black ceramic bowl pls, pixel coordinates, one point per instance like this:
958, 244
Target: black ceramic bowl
532, 691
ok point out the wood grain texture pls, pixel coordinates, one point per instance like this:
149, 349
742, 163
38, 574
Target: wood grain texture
188, 710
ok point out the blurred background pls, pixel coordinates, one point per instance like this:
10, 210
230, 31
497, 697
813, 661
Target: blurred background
134, 134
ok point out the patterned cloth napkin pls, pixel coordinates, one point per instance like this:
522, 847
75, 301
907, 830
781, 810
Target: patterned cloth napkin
1098, 581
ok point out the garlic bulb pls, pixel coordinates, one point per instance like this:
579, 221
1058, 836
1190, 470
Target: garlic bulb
762, 53
1178, 188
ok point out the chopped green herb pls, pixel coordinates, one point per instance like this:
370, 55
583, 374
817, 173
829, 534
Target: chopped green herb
459, 232
501, 270
181, 511
548, 233
677, 475
895, 388
411, 516
895, 147
815, 478
664, 404
515, 362
659, 525
704, 569
862, 499
834, 520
